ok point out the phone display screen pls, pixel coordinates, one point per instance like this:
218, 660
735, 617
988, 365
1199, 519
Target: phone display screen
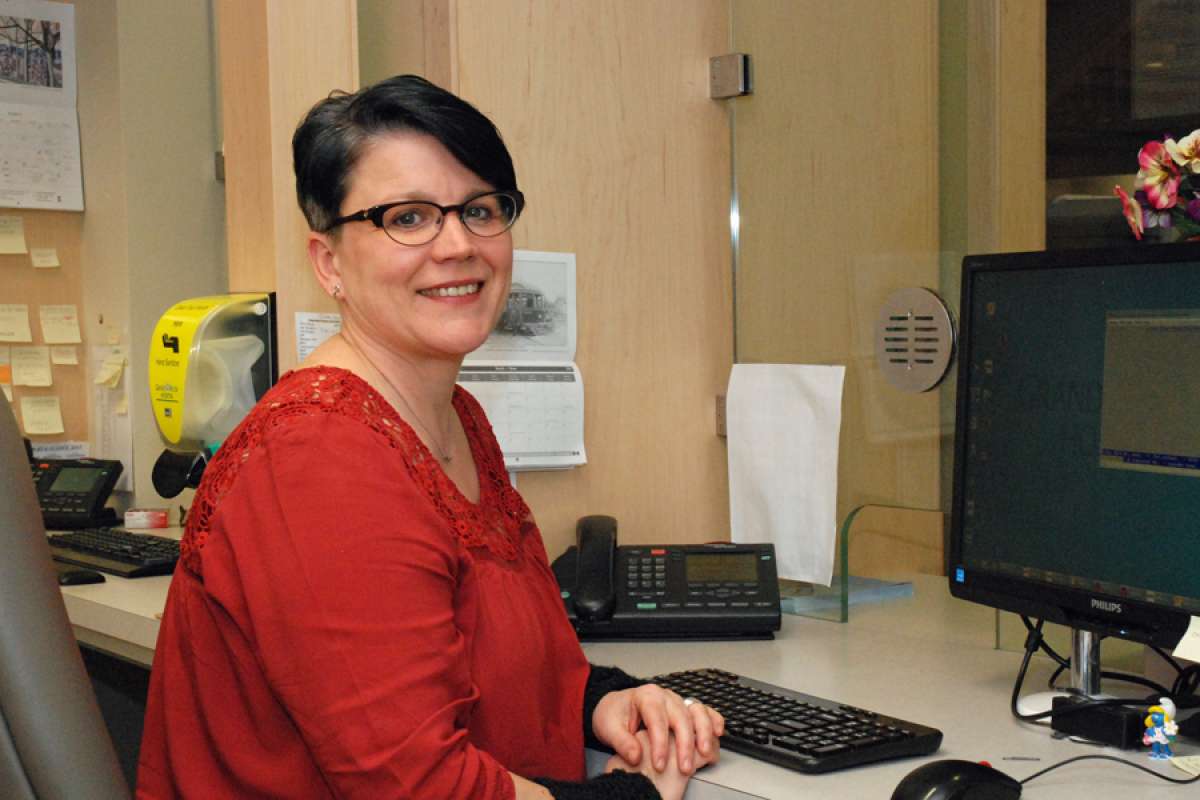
76, 479
721, 567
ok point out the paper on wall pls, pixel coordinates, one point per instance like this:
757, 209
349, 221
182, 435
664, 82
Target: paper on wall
12, 235
783, 422
313, 328
41, 415
14, 323
63, 354
31, 365
60, 324
44, 257
111, 432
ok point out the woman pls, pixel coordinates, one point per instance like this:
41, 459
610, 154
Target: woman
363, 606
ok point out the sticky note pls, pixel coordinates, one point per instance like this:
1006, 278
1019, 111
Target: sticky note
31, 365
111, 370
14, 323
60, 324
1189, 645
44, 257
63, 354
12, 235
41, 416
6, 371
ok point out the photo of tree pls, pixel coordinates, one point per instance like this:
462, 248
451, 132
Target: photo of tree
31, 52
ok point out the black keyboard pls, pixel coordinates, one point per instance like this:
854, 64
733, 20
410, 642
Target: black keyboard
799, 731
116, 551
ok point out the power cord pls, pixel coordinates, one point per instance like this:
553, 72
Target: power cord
1033, 642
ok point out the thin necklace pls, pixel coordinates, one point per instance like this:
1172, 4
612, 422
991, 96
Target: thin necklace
444, 456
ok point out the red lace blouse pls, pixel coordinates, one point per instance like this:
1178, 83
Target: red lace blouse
343, 622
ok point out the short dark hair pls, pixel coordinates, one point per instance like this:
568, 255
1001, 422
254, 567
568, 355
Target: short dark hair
331, 137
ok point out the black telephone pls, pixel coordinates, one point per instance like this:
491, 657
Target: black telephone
703, 591
72, 492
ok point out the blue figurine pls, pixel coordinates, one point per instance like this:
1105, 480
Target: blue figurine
1160, 728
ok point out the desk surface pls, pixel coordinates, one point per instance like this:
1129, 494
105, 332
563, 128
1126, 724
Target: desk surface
928, 658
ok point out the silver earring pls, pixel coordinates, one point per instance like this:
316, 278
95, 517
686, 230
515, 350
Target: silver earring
337, 291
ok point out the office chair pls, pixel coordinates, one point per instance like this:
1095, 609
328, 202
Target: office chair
53, 743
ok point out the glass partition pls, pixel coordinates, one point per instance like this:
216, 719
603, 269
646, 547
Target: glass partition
836, 187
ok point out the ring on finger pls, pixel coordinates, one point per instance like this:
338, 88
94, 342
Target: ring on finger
689, 701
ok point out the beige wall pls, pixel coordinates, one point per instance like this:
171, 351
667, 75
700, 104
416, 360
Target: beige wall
152, 230
625, 161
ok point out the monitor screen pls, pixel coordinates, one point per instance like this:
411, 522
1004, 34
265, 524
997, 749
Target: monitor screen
1077, 449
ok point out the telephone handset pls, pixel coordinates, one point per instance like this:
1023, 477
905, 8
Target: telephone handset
706, 591
595, 596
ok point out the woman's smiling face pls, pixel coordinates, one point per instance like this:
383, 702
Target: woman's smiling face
436, 300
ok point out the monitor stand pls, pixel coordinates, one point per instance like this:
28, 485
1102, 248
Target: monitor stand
1085, 662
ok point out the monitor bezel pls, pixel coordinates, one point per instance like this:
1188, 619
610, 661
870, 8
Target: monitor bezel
1094, 611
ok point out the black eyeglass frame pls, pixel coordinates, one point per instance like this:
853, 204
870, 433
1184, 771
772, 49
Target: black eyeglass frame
374, 214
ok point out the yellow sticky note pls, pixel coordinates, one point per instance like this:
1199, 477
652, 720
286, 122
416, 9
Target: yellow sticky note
60, 324
63, 354
31, 365
41, 416
12, 235
14, 323
44, 257
111, 370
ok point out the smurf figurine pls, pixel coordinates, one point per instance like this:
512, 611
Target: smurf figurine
1160, 728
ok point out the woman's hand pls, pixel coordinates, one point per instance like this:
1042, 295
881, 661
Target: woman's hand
696, 728
670, 781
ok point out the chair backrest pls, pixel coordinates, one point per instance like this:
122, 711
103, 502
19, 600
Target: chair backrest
53, 743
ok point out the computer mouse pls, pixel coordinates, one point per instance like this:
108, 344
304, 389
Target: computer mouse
955, 779
78, 577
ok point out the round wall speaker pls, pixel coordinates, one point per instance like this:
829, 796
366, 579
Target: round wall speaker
914, 340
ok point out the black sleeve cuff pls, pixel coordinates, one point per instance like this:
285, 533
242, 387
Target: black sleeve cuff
616, 785
601, 681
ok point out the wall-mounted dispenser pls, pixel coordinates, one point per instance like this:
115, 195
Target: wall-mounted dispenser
211, 358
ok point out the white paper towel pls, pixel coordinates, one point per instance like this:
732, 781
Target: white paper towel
782, 422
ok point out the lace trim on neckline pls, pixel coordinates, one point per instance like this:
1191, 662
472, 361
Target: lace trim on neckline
499, 523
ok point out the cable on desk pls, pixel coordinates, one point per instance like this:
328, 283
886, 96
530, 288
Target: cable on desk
1167, 778
1034, 642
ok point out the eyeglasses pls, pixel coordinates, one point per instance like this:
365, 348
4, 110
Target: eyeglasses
416, 222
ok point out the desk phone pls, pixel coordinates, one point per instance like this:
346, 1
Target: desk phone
702, 591
72, 492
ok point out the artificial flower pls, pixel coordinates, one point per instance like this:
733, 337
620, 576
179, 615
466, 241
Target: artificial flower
1158, 175
1186, 152
1133, 212
1166, 205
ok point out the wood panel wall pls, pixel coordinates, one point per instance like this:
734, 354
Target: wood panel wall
626, 162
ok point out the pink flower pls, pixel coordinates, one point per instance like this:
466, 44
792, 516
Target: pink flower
1158, 175
1133, 212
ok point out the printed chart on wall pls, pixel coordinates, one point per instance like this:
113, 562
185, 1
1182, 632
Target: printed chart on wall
524, 375
39, 127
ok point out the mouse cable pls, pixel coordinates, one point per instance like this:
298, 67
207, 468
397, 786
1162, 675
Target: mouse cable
1127, 763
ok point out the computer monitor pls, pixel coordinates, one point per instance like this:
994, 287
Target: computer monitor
1077, 442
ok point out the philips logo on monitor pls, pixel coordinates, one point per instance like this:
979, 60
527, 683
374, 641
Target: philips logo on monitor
1107, 605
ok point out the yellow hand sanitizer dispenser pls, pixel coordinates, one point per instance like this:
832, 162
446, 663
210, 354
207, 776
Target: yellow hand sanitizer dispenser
211, 358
